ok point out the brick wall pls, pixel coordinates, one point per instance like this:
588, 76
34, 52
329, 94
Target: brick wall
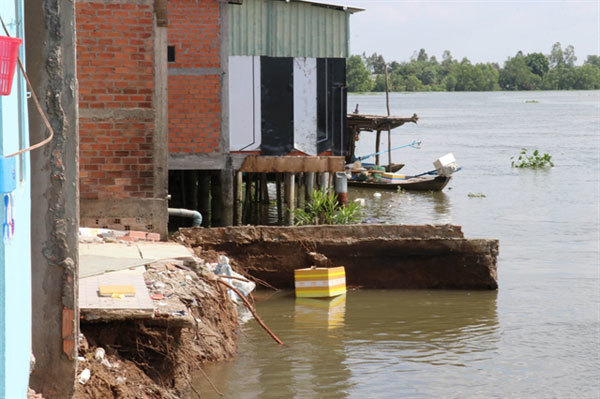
115, 68
194, 77
122, 128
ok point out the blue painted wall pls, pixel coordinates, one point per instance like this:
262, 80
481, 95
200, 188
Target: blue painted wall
15, 255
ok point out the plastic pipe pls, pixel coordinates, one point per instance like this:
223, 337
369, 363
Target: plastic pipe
187, 213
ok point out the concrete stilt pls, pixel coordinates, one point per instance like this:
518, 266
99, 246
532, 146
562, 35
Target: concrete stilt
204, 197
290, 197
239, 203
324, 181
301, 190
309, 185
341, 188
279, 199
248, 200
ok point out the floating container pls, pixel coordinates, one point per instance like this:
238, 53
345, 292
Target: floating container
318, 282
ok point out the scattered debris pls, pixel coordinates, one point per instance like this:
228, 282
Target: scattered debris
84, 377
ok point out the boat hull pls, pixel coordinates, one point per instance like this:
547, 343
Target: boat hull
422, 183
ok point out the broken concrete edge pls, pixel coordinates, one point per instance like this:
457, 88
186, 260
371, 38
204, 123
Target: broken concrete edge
246, 234
91, 234
375, 256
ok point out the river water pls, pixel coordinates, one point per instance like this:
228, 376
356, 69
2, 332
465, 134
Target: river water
538, 336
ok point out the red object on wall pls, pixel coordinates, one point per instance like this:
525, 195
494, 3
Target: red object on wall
9, 52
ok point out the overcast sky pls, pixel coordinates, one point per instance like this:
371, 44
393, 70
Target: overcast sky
482, 31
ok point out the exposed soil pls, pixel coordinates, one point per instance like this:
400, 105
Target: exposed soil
375, 256
154, 358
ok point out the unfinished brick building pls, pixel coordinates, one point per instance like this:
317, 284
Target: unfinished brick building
170, 92
121, 70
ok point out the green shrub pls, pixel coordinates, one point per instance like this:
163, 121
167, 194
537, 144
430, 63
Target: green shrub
325, 209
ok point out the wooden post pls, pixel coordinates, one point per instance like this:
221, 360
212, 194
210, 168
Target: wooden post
239, 204
290, 197
387, 103
377, 140
279, 200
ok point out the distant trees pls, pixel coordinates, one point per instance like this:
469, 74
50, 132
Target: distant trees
534, 71
358, 77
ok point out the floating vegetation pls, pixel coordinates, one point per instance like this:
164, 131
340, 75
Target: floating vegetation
532, 102
534, 161
478, 195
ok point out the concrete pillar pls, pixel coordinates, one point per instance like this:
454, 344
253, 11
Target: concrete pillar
227, 197
324, 181
279, 200
239, 203
222, 196
51, 65
290, 196
341, 188
204, 197
309, 185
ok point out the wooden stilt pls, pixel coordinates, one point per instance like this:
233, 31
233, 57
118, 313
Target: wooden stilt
377, 142
290, 197
387, 103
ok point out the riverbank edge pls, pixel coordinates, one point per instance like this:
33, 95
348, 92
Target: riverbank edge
157, 358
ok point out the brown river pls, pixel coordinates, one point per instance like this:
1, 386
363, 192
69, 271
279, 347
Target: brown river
538, 336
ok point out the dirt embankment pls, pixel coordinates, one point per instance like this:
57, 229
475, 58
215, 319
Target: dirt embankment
375, 256
153, 359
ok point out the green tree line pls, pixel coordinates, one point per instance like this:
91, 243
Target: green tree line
534, 71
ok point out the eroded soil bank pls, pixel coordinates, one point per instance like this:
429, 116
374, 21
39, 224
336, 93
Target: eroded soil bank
155, 358
375, 256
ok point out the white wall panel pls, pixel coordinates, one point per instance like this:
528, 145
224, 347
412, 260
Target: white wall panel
244, 103
305, 105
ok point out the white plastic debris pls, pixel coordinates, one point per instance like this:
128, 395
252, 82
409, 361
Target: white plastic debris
99, 354
224, 269
361, 201
84, 377
80, 359
106, 363
377, 195
121, 380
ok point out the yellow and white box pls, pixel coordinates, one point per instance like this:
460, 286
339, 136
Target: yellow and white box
392, 177
320, 282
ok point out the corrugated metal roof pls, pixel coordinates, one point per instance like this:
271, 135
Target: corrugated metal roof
332, 5
297, 28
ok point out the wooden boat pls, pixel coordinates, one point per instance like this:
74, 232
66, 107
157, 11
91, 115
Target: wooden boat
421, 183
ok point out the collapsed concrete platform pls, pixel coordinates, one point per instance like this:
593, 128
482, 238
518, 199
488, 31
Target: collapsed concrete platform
375, 256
